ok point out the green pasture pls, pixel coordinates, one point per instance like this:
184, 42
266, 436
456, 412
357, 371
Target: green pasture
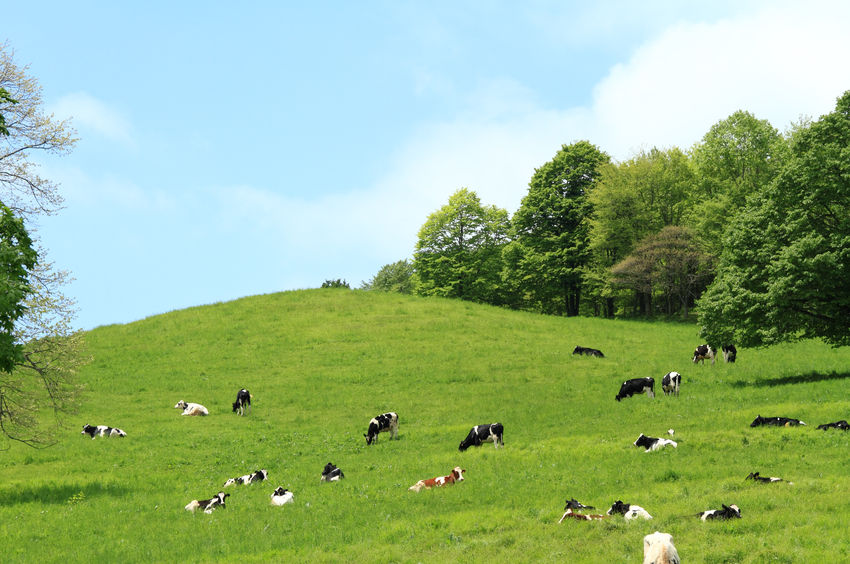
321, 363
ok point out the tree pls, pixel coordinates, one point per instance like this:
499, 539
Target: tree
785, 263
738, 157
338, 283
17, 259
551, 230
458, 253
42, 378
395, 277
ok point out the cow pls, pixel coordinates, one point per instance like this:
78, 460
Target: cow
331, 473
636, 386
763, 479
102, 431
573, 504
651, 443
191, 408
658, 549
728, 512
729, 353
380, 423
581, 516
456, 475
703, 352
670, 383
628, 511
486, 433
256, 476
776, 421
281, 496
843, 425
588, 352
208, 504
243, 399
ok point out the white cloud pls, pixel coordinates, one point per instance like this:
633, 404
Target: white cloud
89, 112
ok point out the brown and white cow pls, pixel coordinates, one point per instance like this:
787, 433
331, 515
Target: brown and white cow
456, 475
582, 516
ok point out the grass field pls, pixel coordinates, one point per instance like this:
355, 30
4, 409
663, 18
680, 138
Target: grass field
321, 363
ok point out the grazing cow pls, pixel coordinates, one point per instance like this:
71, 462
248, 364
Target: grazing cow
764, 480
379, 424
658, 549
191, 408
456, 475
243, 399
651, 443
728, 512
281, 496
843, 425
628, 511
486, 433
670, 383
208, 504
102, 431
636, 386
703, 352
588, 352
581, 516
257, 476
729, 353
776, 421
331, 473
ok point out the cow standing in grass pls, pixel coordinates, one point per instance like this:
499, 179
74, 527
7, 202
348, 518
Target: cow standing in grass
488, 432
381, 423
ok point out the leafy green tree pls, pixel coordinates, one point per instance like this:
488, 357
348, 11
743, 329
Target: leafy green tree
17, 260
396, 277
42, 379
738, 157
338, 283
458, 253
551, 230
784, 270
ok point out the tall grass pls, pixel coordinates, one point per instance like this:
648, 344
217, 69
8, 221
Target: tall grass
321, 363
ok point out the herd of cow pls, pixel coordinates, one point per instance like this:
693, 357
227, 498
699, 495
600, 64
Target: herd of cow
658, 547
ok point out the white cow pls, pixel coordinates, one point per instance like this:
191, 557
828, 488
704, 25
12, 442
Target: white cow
191, 408
658, 549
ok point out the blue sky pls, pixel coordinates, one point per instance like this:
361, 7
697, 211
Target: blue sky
234, 150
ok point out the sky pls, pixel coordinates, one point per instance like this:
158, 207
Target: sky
230, 150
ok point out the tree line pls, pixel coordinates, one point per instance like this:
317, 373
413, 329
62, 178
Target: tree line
749, 228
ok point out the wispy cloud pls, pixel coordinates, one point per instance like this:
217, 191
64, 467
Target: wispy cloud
93, 114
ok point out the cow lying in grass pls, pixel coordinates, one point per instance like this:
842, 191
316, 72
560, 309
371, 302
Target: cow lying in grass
282, 496
588, 352
843, 425
776, 421
628, 511
651, 443
208, 504
331, 473
763, 479
728, 512
582, 516
456, 475
257, 476
191, 408
102, 431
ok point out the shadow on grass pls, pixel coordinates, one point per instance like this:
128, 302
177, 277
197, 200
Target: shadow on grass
809, 378
58, 493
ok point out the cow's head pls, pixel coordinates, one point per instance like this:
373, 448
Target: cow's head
457, 472
181, 405
577, 350
757, 421
618, 507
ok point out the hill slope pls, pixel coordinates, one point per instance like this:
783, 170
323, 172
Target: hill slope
321, 363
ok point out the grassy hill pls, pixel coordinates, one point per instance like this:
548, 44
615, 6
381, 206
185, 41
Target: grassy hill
321, 363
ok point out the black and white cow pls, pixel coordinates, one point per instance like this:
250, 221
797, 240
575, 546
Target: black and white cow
776, 421
257, 476
670, 383
243, 400
754, 476
208, 504
728, 512
651, 443
588, 352
703, 352
331, 473
636, 386
486, 433
628, 511
843, 425
384, 422
191, 408
102, 431
282, 496
729, 353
